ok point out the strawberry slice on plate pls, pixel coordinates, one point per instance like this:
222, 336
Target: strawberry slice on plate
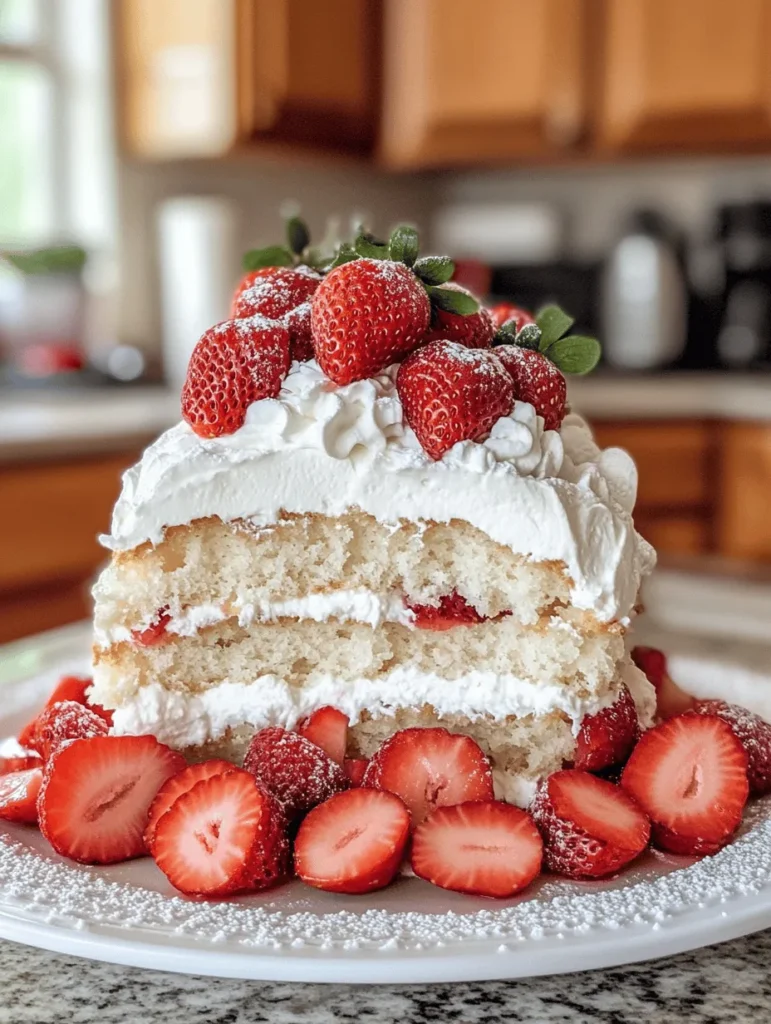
753, 732
65, 721
177, 785
486, 849
670, 699
689, 774
18, 795
297, 772
97, 792
225, 835
328, 729
607, 738
355, 768
430, 768
69, 688
352, 843
590, 827
8, 765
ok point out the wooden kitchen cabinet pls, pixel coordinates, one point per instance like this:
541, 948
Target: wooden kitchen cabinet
744, 514
468, 83
681, 75
50, 516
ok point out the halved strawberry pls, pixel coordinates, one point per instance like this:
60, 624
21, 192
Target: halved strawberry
430, 768
475, 330
753, 732
689, 774
177, 785
487, 849
453, 610
451, 393
273, 291
65, 721
18, 795
73, 688
297, 772
354, 768
19, 764
607, 738
670, 699
234, 364
155, 632
97, 792
590, 827
537, 381
225, 835
327, 728
506, 311
352, 843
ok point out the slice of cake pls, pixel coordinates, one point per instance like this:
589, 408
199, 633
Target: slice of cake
409, 528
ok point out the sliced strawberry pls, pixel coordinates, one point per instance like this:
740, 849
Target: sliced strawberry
753, 732
97, 792
475, 330
354, 768
430, 768
451, 393
18, 795
537, 381
273, 291
453, 610
590, 827
670, 699
74, 688
177, 785
607, 738
19, 764
225, 835
487, 849
65, 721
506, 311
365, 315
155, 633
689, 774
234, 364
328, 729
297, 772
352, 843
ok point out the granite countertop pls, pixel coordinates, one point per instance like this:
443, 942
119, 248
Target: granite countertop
729, 984
42, 424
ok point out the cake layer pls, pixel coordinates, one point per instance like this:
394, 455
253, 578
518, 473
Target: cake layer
210, 570
545, 495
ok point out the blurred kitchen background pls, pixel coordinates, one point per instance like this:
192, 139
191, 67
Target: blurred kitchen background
614, 155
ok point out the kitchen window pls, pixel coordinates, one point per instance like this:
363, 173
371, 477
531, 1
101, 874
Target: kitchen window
56, 144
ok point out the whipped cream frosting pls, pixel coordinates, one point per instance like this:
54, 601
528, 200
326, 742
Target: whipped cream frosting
320, 448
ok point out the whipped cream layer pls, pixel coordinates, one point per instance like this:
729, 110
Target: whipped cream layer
183, 719
320, 448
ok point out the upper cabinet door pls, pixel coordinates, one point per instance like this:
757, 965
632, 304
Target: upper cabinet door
309, 70
685, 75
470, 82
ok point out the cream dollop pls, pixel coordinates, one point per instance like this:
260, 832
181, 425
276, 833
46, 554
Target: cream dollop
320, 448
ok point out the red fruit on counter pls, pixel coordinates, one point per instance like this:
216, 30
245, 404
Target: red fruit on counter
352, 843
365, 315
430, 768
689, 775
485, 849
451, 393
537, 381
233, 364
607, 738
590, 827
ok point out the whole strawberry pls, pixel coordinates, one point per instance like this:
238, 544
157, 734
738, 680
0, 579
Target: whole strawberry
298, 322
474, 331
365, 315
451, 393
234, 364
537, 381
506, 311
273, 292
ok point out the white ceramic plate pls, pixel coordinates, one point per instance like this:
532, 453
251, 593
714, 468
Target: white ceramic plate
411, 932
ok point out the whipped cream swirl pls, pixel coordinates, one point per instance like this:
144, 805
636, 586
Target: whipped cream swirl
320, 448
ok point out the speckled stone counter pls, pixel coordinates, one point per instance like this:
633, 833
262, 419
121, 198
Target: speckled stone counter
727, 984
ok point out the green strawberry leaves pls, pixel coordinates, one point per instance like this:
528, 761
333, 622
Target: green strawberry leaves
345, 254
452, 301
370, 247
270, 256
576, 353
434, 270
403, 245
529, 337
297, 234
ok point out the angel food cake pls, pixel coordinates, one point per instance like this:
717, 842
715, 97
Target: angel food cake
377, 502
